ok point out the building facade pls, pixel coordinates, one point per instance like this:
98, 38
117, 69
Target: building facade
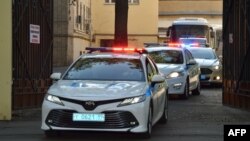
170, 10
142, 22
71, 30
82, 23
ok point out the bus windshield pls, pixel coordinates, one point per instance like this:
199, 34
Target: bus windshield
185, 31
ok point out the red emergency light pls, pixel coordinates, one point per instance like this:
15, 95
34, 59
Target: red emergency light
116, 49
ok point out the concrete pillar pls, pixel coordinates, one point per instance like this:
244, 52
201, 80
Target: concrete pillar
5, 59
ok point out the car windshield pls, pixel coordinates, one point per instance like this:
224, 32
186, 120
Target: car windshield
167, 56
117, 69
184, 31
203, 54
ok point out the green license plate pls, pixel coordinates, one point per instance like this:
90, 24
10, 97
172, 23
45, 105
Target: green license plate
95, 117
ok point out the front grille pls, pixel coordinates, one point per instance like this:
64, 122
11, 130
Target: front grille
90, 105
206, 71
205, 79
113, 120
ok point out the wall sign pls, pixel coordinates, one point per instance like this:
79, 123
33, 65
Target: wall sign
34, 34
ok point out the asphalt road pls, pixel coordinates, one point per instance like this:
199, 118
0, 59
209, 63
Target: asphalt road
200, 118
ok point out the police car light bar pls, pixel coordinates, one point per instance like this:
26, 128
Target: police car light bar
116, 49
175, 45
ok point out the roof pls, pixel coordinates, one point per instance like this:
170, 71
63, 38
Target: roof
190, 21
163, 48
199, 48
112, 55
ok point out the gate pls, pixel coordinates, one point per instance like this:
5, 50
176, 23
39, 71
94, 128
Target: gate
32, 51
236, 53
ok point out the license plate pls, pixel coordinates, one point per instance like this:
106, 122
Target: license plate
97, 117
203, 76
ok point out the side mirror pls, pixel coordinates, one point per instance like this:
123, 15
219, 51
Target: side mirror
168, 31
191, 62
158, 79
55, 76
220, 58
212, 34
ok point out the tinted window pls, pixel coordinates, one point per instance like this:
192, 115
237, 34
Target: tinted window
184, 31
167, 56
106, 69
203, 54
189, 55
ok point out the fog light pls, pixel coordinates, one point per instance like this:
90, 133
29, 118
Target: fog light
132, 123
217, 78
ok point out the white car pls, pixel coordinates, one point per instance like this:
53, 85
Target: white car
108, 91
210, 64
179, 67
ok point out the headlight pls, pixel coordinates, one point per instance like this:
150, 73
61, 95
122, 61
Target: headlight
174, 75
54, 99
216, 67
132, 100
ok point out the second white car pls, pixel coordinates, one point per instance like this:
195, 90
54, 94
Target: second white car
179, 67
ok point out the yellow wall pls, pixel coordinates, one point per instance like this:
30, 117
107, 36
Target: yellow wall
142, 21
5, 59
191, 5
170, 10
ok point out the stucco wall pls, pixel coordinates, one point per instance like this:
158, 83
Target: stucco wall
170, 10
190, 6
5, 59
142, 21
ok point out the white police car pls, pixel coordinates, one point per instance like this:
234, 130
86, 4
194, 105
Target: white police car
118, 89
210, 65
179, 67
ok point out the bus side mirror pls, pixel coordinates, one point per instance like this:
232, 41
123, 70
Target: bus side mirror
168, 31
212, 34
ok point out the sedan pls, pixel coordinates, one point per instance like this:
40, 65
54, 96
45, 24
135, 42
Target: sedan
179, 68
210, 64
115, 89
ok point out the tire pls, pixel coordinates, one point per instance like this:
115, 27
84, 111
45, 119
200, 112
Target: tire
197, 90
147, 134
185, 95
164, 117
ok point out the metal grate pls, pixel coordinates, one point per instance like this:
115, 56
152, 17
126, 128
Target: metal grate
206, 71
113, 120
32, 61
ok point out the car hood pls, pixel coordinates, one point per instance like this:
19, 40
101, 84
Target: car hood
169, 68
207, 62
97, 90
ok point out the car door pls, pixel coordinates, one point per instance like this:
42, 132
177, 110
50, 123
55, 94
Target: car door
158, 90
193, 69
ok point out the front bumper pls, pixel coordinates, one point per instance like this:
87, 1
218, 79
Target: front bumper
209, 76
176, 85
129, 118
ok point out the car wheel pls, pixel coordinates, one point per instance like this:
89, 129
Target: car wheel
147, 134
185, 95
164, 117
197, 90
